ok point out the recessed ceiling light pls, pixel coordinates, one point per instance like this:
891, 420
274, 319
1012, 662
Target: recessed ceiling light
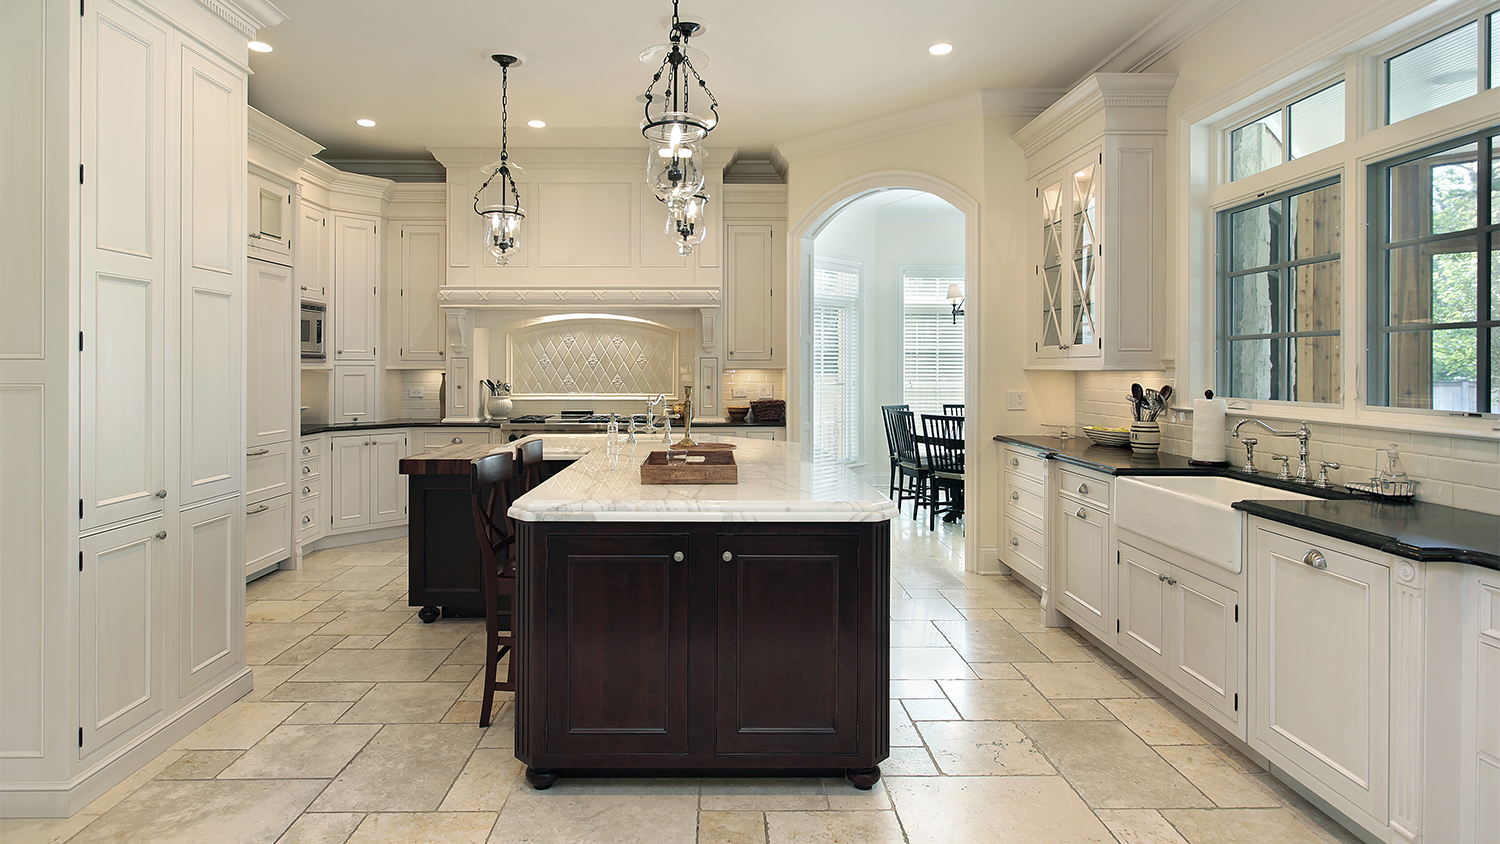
536, 124
365, 122
259, 46
940, 49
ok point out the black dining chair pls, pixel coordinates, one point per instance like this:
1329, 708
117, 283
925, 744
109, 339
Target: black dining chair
529, 455
943, 442
890, 441
953, 410
490, 480
911, 470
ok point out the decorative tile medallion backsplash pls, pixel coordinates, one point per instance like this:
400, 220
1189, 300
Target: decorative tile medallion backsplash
564, 356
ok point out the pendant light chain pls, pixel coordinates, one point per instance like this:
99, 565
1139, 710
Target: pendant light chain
504, 110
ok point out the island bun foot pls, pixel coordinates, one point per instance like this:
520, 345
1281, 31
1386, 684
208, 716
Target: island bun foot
428, 614
542, 779
863, 779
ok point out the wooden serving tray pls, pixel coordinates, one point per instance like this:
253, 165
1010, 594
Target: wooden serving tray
714, 466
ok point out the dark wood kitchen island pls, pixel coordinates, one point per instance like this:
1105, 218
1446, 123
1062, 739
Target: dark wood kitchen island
703, 628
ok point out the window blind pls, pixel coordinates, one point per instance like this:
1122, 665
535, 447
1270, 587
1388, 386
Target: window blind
932, 345
835, 363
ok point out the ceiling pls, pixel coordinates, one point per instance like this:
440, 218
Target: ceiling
781, 69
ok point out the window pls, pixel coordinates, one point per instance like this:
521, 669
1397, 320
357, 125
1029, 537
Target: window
1434, 302
1280, 286
1435, 73
1310, 124
932, 344
836, 361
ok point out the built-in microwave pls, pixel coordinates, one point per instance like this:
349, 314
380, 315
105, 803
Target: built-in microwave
314, 331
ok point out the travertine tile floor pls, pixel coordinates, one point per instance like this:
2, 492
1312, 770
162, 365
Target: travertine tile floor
362, 729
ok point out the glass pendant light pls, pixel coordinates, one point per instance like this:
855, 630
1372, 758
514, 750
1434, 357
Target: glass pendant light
674, 163
500, 206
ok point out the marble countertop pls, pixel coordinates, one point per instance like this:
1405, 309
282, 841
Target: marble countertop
778, 482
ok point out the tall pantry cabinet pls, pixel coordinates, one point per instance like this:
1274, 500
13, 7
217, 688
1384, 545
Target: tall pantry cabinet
121, 387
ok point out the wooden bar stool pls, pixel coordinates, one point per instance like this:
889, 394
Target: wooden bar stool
490, 481
530, 457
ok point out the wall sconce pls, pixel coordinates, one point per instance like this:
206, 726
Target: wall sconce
956, 296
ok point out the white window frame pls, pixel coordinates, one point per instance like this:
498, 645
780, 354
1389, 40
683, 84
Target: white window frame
849, 304
1357, 53
953, 272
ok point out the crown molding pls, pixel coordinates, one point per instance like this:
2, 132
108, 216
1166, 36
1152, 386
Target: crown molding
336, 181
244, 16
1093, 95
1170, 29
546, 297
567, 158
266, 132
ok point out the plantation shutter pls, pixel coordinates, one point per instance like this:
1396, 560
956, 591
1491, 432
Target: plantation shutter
835, 357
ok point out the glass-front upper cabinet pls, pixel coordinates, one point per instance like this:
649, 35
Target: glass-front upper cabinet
1101, 268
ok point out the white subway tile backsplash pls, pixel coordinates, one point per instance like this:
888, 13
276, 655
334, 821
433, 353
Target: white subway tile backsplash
1480, 450
1429, 444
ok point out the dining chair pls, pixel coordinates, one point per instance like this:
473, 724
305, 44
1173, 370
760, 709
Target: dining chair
943, 441
953, 410
910, 467
490, 479
890, 441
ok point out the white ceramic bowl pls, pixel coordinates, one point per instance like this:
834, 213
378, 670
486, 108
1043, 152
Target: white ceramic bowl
1103, 436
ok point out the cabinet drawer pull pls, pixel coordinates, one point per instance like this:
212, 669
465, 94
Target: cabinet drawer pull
1014, 462
161, 493
1015, 541
261, 509
678, 556
1315, 559
307, 490
1015, 496
1083, 489
161, 534
307, 470
1162, 578
458, 440
1082, 513
728, 556
257, 452
307, 520
307, 449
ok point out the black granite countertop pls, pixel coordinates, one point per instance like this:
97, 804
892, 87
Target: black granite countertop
1415, 530
310, 428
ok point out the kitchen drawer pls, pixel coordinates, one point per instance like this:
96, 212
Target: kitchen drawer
1024, 551
268, 471
308, 448
308, 488
308, 523
431, 438
311, 467
1025, 498
1095, 489
1026, 462
268, 533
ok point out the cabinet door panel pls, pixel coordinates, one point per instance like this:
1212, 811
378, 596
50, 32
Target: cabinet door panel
210, 601
353, 393
387, 485
799, 645
350, 476
313, 254
212, 390
1143, 606
423, 263
1085, 576
1207, 636
271, 366
121, 628
354, 274
747, 293
617, 644
268, 533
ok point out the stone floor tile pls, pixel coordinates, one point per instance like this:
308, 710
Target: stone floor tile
361, 623
416, 635
928, 664
285, 611
909, 762
915, 688
995, 671
322, 557
995, 599
1216, 777
199, 765
404, 768
1139, 826
1024, 620
363, 578
983, 748
264, 641
267, 678
301, 751
404, 703
44, 830
1158, 722
924, 609
1111, 768
425, 828
1075, 680
266, 589
128, 786
300, 691
320, 617
318, 593
998, 700
844, 797
485, 783
947, 810
989, 641
916, 633
1058, 646
196, 811
978, 613
903, 734
318, 574
318, 713
834, 828
752, 794
239, 727
579, 815
731, 828
1242, 826
321, 828
359, 642
370, 601
370, 556
501, 733
306, 650
1081, 710
923, 593
930, 709
370, 666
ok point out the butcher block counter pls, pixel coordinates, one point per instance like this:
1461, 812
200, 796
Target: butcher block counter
686, 629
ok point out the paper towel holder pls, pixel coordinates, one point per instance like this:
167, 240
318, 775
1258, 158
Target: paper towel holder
1208, 394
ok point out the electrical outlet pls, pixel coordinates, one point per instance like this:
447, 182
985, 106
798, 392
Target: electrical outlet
416, 392
738, 392
765, 391
1015, 400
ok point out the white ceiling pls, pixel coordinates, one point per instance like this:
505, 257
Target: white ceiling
781, 69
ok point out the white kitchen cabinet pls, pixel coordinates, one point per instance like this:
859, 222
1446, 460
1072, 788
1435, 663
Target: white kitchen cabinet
749, 433
1023, 513
427, 439
312, 513
1094, 159
355, 297
1320, 630
1480, 819
353, 393
365, 486
749, 327
1085, 552
424, 251
314, 253
268, 534
272, 355
210, 616
268, 471
269, 219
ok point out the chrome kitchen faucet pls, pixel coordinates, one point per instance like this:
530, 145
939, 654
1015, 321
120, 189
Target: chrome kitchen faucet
1302, 434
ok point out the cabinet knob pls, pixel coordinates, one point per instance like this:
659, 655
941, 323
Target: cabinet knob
1015, 496
307, 490
458, 440
307, 520
1015, 541
1083, 489
1315, 559
1082, 513
307, 470
161, 493
728, 556
678, 556
1171, 581
1161, 578
1014, 462
161, 534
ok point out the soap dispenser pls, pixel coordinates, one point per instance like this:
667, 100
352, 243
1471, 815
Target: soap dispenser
1393, 479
